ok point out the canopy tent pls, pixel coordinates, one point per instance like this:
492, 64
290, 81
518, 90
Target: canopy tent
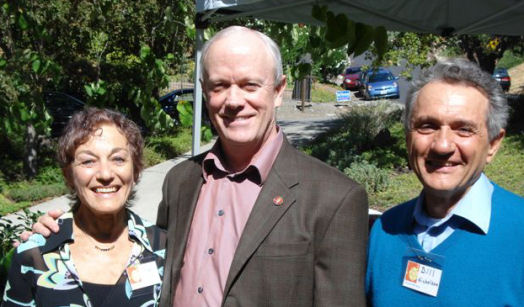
444, 17
504, 17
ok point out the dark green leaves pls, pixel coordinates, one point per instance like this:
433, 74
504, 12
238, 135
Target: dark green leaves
358, 37
319, 12
185, 113
364, 37
145, 51
381, 40
339, 30
36, 65
301, 70
22, 22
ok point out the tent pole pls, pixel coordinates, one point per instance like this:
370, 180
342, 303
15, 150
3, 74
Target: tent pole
197, 105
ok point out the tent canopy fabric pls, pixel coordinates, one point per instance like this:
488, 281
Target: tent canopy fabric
504, 17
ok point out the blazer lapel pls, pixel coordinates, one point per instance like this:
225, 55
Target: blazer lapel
265, 214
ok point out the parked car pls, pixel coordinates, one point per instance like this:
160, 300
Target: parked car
503, 78
170, 100
379, 83
61, 107
351, 78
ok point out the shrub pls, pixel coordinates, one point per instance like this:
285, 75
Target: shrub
321, 93
389, 150
151, 157
50, 175
9, 232
510, 59
170, 146
365, 129
369, 175
34, 191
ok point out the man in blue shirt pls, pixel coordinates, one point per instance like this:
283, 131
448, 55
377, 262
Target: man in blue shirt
460, 242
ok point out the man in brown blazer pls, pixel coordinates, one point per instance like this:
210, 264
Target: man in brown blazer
255, 222
303, 242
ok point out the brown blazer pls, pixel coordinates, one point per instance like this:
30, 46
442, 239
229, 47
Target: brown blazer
309, 251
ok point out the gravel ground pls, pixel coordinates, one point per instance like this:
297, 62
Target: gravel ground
290, 109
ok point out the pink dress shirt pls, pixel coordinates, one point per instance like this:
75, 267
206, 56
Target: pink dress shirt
222, 210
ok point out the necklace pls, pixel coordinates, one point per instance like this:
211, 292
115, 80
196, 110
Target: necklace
105, 249
99, 248
95, 243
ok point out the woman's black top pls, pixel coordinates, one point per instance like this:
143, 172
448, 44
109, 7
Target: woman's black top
42, 272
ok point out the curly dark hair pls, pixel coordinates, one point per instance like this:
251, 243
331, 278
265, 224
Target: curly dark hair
82, 126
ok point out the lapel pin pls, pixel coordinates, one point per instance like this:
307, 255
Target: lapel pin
278, 200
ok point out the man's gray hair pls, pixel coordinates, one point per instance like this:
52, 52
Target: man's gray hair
271, 47
461, 70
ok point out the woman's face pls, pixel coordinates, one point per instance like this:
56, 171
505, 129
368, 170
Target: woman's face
102, 171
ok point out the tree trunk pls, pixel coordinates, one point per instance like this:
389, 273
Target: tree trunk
475, 52
31, 152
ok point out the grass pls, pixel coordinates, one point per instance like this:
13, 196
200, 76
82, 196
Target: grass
20, 194
323, 92
168, 147
507, 169
402, 187
509, 59
8, 206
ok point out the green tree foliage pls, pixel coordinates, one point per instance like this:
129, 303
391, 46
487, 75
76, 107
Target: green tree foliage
422, 49
414, 49
486, 50
108, 53
417, 49
296, 41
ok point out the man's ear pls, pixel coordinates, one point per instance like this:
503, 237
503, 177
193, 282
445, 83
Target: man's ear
494, 145
279, 89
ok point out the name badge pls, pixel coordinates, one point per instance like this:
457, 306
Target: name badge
422, 278
141, 275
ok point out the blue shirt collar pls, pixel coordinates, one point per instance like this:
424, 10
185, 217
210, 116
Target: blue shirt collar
475, 207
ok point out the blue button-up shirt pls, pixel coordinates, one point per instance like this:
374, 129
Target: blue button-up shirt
475, 206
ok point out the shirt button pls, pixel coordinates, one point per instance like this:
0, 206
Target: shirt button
220, 212
200, 289
210, 251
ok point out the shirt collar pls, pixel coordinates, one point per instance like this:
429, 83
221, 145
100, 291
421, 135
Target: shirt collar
136, 229
260, 165
474, 206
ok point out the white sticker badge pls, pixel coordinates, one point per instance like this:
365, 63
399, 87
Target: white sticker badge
142, 275
422, 278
